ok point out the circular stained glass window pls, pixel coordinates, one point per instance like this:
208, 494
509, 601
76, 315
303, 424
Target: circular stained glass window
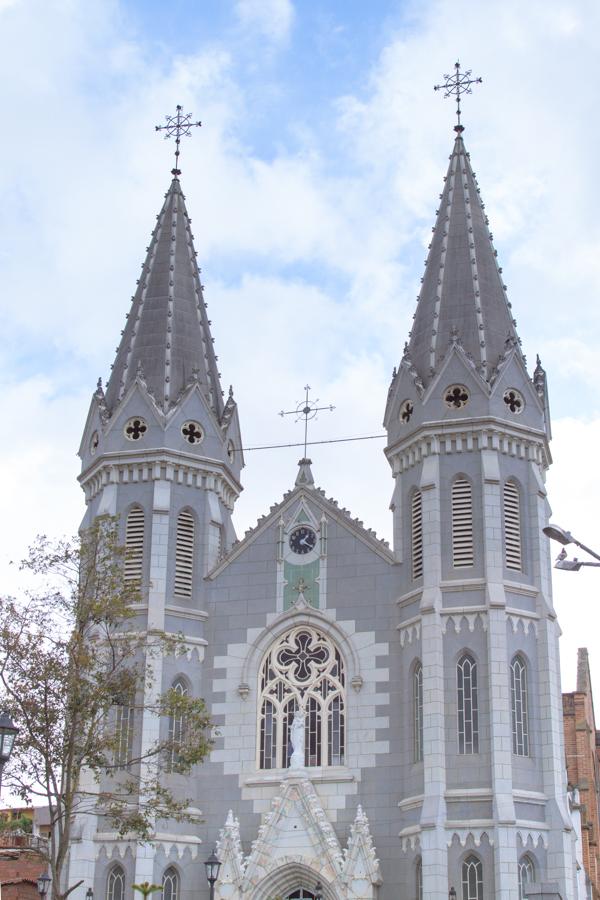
406, 411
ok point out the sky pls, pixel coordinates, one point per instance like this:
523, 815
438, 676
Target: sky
312, 186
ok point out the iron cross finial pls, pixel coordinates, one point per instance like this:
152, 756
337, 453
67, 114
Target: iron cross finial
181, 126
455, 85
308, 409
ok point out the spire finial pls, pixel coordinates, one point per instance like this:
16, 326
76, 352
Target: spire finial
308, 409
181, 126
455, 85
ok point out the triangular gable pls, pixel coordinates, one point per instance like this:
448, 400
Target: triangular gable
331, 510
360, 861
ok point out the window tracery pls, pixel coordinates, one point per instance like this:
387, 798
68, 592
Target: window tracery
518, 692
472, 879
115, 885
526, 875
302, 670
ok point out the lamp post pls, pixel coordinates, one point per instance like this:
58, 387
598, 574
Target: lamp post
89, 894
556, 533
318, 891
212, 866
43, 883
8, 733
451, 894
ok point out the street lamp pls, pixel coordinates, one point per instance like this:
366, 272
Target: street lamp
318, 891
452, 894
43, 883
89, 894
556, 533
8, 733
212, 866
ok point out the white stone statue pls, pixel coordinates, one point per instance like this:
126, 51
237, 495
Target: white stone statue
297, 739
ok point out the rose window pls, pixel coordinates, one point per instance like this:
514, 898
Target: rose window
192, 432
514, 401
303, 670
135, 429
457, 396
406, 411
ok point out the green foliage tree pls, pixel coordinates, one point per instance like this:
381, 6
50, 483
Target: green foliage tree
77, 675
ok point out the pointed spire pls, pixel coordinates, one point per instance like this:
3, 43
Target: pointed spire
305, 476
167, 334
463, 299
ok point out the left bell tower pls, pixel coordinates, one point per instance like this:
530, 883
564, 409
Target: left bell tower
161, 450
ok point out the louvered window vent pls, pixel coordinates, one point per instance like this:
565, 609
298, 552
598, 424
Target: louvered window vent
512, 528
462, 524
134, 544
417, 534
184, 555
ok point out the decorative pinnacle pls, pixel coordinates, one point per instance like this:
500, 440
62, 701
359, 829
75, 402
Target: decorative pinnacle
306, 409
180, 126
455, 85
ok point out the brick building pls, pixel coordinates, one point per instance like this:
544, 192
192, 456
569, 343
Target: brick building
582, 747
21, 863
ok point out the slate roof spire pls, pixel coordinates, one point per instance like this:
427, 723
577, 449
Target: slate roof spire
463, 298
167, 337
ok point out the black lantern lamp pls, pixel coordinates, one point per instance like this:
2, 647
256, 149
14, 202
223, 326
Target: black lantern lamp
89, 894
318, 891
212, 866
43, 883
8, 733
452, 894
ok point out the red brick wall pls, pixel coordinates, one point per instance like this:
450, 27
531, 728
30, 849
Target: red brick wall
19, 871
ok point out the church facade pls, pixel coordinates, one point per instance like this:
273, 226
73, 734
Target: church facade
389, 720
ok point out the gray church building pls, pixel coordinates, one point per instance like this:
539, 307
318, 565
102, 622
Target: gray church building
389, 718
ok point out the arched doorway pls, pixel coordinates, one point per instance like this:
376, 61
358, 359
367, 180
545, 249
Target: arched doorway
295, 881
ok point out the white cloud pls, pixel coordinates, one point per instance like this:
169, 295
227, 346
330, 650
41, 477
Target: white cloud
271, 18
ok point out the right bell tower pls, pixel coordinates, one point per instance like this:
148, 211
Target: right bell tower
468, 443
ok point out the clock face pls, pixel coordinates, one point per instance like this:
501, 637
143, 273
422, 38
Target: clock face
302, 539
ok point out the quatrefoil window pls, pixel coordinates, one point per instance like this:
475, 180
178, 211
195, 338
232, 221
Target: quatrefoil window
456, 396
94, 443
514, 401
406, 411
135, 429
192, 432
230, 451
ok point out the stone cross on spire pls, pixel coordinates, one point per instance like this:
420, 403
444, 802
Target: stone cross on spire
455, 85
180, 126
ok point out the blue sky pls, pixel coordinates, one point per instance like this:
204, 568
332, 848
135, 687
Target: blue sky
312, 186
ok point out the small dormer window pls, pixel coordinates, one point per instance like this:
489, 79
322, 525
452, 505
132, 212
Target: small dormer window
192, 432
406, 411
514, 401
456, 396
135, 429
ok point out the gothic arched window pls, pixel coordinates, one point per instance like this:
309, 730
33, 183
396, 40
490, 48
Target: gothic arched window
526, 875
418, 712
303, 670
419, 879
176, 726
115, 884
416, 527
472, 879
468, 711
513, 554
184, 554
462, 523
170, 884
134, 544
124, 713
518, 696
